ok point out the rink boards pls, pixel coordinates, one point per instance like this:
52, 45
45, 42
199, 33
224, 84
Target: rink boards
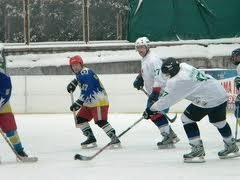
47, 94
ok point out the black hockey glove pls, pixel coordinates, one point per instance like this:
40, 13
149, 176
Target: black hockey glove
237, 82
76, 106
237, 100
147, 114
138, 83
72, 86
153, 97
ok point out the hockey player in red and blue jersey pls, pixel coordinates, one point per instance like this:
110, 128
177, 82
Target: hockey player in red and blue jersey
92, 103
7, 120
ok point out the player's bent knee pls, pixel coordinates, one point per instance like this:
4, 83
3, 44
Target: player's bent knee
81, 120
186, 120
220, 124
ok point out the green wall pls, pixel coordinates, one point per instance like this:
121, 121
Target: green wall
164, 20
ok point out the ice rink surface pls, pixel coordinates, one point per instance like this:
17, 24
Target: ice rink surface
55, 140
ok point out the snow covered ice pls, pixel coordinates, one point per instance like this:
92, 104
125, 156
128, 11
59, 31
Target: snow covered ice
55, 140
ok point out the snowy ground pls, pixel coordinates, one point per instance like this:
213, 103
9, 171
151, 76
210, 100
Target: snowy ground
55, 140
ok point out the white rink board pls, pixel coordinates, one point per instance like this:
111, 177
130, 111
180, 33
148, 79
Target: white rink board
48, 94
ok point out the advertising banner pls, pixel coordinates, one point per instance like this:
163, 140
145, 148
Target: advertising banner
226, 77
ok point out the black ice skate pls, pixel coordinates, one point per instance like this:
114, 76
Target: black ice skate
231, 150
168, 140
115, 142
23, 157
89, 143
196, 155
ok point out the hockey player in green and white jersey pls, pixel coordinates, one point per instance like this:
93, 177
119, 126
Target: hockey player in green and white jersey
208, 98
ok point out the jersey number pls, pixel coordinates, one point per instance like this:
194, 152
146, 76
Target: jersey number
199, 76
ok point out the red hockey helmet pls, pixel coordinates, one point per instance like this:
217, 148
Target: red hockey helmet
75, 60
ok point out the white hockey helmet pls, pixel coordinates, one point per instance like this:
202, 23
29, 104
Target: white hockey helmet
142, 41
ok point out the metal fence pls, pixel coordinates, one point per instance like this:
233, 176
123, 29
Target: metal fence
62, 20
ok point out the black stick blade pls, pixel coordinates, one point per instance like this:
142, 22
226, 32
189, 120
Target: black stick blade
82, 158
171, 120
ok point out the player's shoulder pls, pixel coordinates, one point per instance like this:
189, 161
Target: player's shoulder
4, 75
85, 71
155, 59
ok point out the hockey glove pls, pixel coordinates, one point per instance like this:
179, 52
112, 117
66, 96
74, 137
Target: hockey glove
139, 82
237, 106
237, 82
147, 114
72, 86
76, 106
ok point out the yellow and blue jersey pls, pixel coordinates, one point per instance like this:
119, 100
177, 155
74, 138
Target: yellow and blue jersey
92, 91
5, 88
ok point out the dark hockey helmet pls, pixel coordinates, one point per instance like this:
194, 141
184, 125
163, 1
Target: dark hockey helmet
170, 67
235, 57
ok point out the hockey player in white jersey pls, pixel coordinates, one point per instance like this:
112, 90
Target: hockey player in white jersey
151, 78
208, 97
235, 59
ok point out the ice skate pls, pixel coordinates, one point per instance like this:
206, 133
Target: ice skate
89, 143
231, 150
196, 155
115, 142
238, 142
175, 139
23, 157
168, 140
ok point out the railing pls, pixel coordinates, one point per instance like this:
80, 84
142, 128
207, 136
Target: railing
57, 47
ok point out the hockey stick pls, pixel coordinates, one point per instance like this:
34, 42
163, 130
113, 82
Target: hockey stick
74, 112
237, 119
22, 159
164, 114
87, 158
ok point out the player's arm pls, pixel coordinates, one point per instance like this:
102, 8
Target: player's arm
72, 85
138, 82
174, 92
158, 84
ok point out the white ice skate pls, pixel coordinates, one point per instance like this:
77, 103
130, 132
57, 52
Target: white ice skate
196, 155
168, 141
231, 150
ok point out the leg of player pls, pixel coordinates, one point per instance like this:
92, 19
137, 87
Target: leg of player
9, 132
230, 150
169, 136
197, 150
90, 142
110, 132
218, 118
